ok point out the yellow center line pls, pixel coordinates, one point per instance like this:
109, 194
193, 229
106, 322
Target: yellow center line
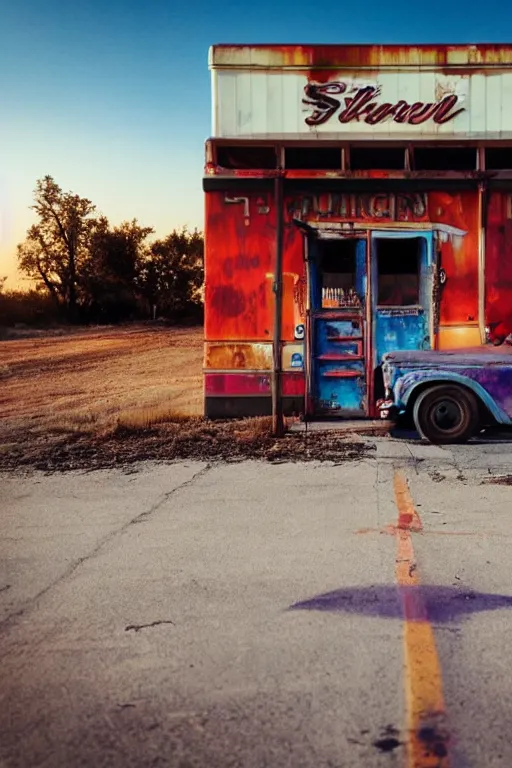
427, 742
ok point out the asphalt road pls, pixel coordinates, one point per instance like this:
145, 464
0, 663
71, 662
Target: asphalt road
258, 615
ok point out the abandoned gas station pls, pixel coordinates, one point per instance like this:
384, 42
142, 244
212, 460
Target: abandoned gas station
358, 200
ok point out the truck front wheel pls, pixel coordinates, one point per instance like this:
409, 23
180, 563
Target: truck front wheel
446, 413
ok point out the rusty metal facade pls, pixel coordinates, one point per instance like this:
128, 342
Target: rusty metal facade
467, 213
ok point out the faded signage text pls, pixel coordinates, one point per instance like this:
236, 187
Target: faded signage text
360, 104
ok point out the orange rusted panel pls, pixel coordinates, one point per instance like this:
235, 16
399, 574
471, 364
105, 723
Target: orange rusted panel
459, 337
498, 258
294, 281
459, 253
227, 357
239, 258
239, 270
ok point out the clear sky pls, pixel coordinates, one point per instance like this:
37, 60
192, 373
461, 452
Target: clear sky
112, 98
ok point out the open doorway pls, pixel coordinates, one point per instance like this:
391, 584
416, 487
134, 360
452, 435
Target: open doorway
402, 292
337, 362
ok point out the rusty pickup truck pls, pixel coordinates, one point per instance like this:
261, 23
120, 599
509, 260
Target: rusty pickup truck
449, 395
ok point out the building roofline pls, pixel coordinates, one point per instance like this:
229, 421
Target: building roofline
364, 56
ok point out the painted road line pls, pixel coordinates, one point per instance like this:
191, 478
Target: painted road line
427, 742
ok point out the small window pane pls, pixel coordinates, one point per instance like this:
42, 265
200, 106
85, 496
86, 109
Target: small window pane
499, 159
313, 158
377, 158
444, 159
246, 158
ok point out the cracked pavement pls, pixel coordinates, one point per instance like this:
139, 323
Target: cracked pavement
246, 615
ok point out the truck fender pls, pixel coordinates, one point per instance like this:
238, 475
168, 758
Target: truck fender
407, 385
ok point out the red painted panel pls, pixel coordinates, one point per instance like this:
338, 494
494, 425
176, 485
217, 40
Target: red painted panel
294, 280
236, 384
293, 384
498, 259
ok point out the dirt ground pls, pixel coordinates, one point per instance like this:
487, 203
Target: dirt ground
103, 397
97, 378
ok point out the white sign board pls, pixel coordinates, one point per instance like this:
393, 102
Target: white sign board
391, 104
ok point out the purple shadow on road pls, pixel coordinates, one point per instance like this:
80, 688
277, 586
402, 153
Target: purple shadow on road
441, 604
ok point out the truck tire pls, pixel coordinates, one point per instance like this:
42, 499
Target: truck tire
446, 413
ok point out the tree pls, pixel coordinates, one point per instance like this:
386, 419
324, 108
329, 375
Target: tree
56, 248
171, 276
111, 272
94, 272
32, 307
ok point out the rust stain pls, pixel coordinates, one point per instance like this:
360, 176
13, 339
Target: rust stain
228, 300
332, 58
256, 357
390, 530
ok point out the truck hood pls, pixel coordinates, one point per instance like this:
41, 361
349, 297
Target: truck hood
484, 355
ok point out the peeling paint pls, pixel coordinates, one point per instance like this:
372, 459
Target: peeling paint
233, 356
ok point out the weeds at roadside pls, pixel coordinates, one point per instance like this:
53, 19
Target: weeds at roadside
136, 419
182, 438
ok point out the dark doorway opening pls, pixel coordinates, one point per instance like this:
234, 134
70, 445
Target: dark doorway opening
336, 274
337, 263
398, 271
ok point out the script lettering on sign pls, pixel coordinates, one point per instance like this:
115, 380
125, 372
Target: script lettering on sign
360, 104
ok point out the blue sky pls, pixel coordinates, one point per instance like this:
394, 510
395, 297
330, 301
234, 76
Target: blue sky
113, 98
